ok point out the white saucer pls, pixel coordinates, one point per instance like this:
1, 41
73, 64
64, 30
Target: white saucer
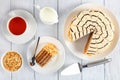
76, 47
55, 64
31, 27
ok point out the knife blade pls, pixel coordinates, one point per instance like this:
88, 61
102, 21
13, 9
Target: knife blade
71, 70
76, 68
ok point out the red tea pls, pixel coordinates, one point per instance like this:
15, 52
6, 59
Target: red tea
17, 26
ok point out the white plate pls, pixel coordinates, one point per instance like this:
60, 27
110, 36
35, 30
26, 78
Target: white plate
30, 30
77, 47
55, 64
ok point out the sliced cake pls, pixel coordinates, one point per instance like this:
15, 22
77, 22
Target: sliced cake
46, 54
95, 23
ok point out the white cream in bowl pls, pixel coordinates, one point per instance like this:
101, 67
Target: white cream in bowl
48, 15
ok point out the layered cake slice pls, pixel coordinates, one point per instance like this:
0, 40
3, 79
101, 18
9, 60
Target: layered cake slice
46, 54
95, 23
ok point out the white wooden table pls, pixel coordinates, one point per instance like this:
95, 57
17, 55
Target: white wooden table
110, 71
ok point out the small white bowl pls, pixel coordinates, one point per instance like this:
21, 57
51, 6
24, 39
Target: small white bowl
3, 57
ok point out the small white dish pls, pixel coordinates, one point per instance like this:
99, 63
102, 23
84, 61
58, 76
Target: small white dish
30, 29
76, 47
55, 64
3, 65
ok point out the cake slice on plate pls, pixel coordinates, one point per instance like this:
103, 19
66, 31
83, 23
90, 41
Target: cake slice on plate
46, 54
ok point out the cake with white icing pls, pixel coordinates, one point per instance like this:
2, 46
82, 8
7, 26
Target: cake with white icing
95, 23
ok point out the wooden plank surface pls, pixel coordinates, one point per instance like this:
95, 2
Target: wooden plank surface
46, 30
108, 71
26, 73
112, 70
4, 44
65, 8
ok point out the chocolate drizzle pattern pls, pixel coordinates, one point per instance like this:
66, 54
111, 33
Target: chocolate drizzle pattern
95, 22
